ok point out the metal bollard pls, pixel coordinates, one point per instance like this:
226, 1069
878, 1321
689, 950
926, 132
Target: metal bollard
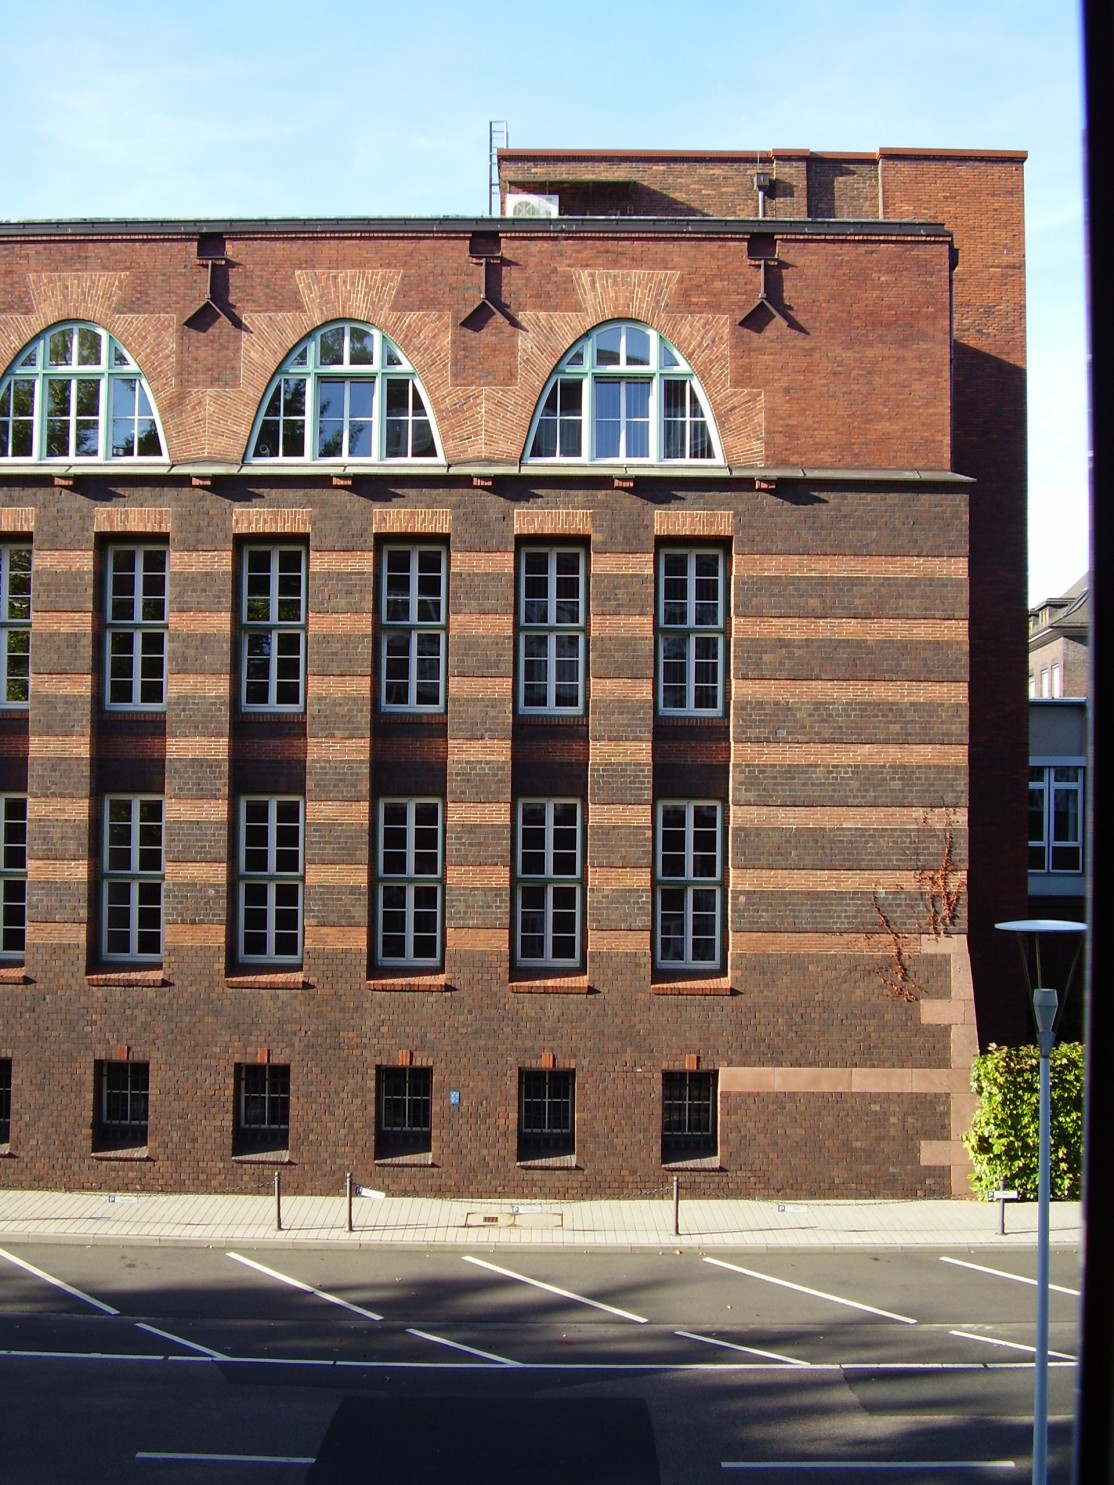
278, 1201
348, 1197
676, 1206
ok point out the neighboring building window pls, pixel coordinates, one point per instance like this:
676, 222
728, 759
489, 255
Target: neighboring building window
132, 878
412, 638
689, 887
5, 1100
121, 1105
691, 632
410, 882
551, 636
13, 875
75, 393
270, 880
549, 872
262, 1107
546, 1113
273, 629
689, 1116
624, 394
1056, 818
404, 1111
1056, 678
346, 392
15, 625
135, 627
1046, 685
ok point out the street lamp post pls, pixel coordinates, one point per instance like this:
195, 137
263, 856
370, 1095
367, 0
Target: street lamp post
1046, 1003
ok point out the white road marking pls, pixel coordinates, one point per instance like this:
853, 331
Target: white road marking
552, 1289
439, 1340
966, 1335
710, 1340
835, 1299
333, 1299
1000, 1273
167, 1335
231, 1458
871, 1464
98, 1304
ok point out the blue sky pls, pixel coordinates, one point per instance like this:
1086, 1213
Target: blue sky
359, 108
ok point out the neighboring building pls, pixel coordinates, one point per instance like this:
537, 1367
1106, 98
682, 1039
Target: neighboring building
507, 702
1059, 643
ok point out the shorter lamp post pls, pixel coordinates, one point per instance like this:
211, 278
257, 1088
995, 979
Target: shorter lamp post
1046, 1003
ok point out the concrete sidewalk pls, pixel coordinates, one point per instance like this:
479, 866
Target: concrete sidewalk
82, 1217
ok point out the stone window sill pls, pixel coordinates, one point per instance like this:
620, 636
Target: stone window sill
409, 982
708, 985
153, 977
551, 985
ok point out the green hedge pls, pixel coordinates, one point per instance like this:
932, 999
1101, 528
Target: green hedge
1003, 1139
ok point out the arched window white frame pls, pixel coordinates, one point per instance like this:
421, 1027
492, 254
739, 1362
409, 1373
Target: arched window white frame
345, 393
622, 394
75, 393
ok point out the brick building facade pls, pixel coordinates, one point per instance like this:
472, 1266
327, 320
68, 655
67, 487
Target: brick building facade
516, 706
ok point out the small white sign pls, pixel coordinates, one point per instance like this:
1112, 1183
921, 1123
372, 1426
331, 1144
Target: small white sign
370, 1191
1002, 1196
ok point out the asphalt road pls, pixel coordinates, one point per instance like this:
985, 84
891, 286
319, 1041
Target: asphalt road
277, 1366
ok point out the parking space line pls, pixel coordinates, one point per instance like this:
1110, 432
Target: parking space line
967, 1335
869, 1464
439, 1340
1001, 1273
229, 1458
333, 1299
835, 1299
98, 1304
178, 1340
580, 1299
710, 1340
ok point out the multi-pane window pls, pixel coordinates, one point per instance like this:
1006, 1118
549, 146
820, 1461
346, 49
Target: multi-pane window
551, 636
270, 886
622, 393
273, 629
688, 889
262, 1107
122, 1096
691, 631
135, 627
132, 878
410, 882
549, 869
75, 393
404, 1111
546, 1113
15, 624
346, 392
13, 875
412, 632
1056, 818
5, 1100
689, 1115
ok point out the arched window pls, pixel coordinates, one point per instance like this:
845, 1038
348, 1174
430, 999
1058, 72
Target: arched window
75, 393
623, 394
345, 392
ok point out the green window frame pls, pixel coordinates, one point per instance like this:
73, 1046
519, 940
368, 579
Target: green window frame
74, 393
691, 632
15, 624
273, 629
413, 583
549, 887
13, 876
132, 870
552, 630
345, 394
136, 619
688, 885
623, 394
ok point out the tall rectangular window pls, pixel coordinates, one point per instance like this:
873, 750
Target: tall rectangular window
273, 630
1056, 818
13, 875
271, 879
413, 612
15, 624
551, 636
546, 1113
132, 878
689, 1116
692, 632
136, 615
122, 1101
549, 870
262, 1120
688, 889
410, 882
5, 1100
403, 1111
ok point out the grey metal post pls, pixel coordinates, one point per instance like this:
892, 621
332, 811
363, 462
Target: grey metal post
348, 1196
278, 1201
1045, 1004
676, 1206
